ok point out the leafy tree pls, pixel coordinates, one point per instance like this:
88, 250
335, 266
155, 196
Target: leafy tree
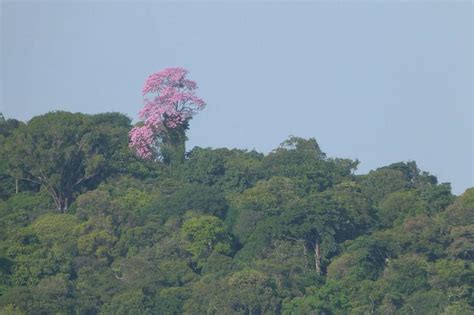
204, 235
382, 182
177, 198
137, 271
247, 292
53, 295
461, 242
128, 303
414, 177
303, 160
458, 308
18, 300
229, 170
44, 248
398, 205
407, 275
461, 212
287, 267
9, 177
95, 285
171, 300
448, 273
425, 302
437, 197
65, 153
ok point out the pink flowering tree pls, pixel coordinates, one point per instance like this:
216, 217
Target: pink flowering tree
170, 101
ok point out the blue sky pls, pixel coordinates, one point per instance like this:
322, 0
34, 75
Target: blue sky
378, 81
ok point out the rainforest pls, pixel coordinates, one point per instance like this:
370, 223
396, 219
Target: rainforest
96, 220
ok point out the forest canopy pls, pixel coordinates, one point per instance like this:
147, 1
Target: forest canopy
89, 227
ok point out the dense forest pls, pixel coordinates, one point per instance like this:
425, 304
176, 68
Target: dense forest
89, 227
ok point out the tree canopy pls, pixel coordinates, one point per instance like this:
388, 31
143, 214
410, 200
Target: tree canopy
89, 227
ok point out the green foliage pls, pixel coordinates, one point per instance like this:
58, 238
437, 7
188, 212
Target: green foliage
461, 242
9, 179
250, 292
380, 183
230, 170
127, 303
425, 303
178, 198
304, 161
171, 300
66, 153
395, 207
53, 229
407, 275
204, 235
220, 231
461, 212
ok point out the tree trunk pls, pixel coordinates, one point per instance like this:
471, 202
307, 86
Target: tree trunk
59, 201
173, 146
317, 257
305, 255
17, 186
59, 204
63, 203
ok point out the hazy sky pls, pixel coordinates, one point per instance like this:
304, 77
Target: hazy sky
381, 82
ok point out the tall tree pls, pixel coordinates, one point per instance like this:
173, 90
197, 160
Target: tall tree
170, 102
9, 178
66, 153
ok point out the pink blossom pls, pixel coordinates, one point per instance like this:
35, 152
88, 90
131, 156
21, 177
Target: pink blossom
169, 102
141, 140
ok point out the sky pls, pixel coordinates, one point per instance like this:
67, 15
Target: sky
377, 81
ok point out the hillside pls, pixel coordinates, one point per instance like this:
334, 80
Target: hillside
88, 227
